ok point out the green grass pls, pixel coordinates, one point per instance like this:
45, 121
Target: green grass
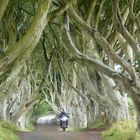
99, 124
30, 127
7, 131
124, 130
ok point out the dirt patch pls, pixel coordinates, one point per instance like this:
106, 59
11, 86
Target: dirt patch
53, 133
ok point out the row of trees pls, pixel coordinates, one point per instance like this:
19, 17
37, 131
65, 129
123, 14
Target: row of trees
86, 60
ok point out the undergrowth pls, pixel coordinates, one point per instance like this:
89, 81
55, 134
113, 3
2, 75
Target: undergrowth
7, 131
99, 124
124, 130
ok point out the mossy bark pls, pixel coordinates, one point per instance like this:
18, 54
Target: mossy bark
16, 88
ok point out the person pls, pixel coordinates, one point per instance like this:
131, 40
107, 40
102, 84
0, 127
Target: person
63, 113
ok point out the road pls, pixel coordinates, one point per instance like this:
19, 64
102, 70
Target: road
53, 133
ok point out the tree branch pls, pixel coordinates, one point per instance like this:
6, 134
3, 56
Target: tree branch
124, 32
59, 11
133, 16
97, 65
70, 84
28, 42
102, 42
3, 6
90, 11
99, 13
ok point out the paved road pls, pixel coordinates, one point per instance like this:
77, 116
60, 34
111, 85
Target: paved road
53, 133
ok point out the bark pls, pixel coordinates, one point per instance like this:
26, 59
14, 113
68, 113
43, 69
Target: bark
88, 89
134, 17
107, 90
116, 104
29, 41
3, 6
90, 11
17, 95
136, 100
126, 48
98, 65
121, 28
103, 43
11, 27
61, 10
85, 111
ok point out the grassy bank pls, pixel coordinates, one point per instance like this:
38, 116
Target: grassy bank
125, 130
7, 131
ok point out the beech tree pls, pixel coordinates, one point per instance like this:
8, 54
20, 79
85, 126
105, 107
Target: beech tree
91, 54
127, 53
22, 24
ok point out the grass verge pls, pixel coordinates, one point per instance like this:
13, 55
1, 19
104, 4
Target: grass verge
124, 130
7, 131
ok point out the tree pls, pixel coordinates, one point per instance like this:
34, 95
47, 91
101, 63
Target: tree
19, 37
83, 42
128, 79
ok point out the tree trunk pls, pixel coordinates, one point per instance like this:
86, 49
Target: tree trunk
136, 100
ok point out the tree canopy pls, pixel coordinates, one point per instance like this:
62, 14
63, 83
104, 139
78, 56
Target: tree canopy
83, 56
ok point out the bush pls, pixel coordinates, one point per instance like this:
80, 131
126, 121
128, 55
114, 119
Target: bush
125, 130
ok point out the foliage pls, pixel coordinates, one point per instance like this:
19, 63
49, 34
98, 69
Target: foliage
131, 107
124, 130
6, 128
99, 124
42, 109
38, 63
30, 127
